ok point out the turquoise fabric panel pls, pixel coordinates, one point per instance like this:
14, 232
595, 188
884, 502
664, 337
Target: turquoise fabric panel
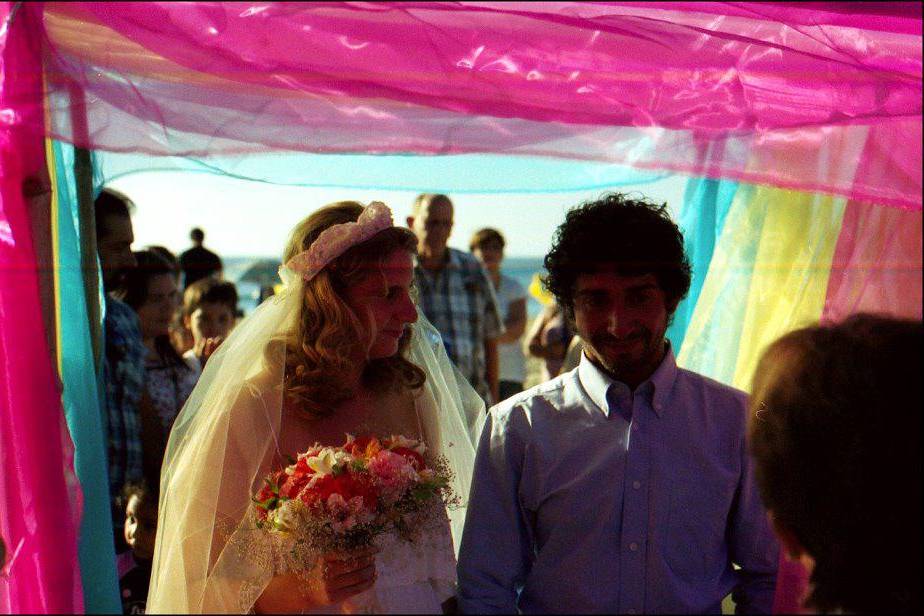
464, 173
82, 407
701, 218
713, 341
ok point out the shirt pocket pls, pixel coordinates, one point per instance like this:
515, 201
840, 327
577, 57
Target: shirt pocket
694, 545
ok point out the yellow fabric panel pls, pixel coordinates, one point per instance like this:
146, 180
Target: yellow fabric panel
769, 274
791, 270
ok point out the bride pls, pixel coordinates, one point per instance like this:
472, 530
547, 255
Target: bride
342, 349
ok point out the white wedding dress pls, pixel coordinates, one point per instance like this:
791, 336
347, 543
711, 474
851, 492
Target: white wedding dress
413, 577
209, 556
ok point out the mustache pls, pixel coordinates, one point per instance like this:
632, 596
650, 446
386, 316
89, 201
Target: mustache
642, 335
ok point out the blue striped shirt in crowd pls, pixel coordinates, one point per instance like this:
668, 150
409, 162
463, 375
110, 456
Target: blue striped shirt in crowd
459, 301
124, 374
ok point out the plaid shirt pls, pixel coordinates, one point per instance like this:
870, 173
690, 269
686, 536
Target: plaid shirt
459, 300
124, 375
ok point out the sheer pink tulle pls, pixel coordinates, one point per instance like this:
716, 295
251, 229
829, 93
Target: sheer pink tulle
877, 263
642, 84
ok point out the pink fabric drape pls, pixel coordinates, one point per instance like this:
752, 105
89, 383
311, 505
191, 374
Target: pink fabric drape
876, 268
38, 487
625, 82
877, 260
791, 585
877, 263
497, 64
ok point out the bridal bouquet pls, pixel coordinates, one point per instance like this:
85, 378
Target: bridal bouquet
342, 498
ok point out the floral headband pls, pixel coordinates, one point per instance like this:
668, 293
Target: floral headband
337, 239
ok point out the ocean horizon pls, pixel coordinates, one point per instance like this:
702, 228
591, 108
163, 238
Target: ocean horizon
521, 268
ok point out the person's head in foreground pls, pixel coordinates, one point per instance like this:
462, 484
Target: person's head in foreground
835, 432
618, 270
355, 311
140, 519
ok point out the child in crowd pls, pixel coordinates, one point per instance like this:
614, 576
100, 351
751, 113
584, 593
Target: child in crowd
209, 308
134, 566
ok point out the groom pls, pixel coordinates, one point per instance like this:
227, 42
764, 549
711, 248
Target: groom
622, 486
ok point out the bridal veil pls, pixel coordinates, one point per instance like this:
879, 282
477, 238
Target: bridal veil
208, 555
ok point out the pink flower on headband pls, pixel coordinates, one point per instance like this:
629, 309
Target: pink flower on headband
335, 240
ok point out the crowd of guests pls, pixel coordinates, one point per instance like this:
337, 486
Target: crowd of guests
833, 420
164, 317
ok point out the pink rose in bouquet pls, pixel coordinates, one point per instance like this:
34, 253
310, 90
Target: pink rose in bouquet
342, 498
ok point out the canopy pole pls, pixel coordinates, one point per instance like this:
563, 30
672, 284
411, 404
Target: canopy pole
36, 192
83, 178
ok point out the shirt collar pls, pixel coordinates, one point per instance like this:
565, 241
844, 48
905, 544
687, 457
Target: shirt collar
657, 388
662, 380
595, 382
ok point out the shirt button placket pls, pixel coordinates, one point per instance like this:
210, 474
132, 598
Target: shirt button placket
635, 529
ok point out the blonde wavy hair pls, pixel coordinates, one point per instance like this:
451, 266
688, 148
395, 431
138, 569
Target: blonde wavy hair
325, 341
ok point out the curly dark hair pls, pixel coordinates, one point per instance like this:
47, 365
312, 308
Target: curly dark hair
634, 236
835, 432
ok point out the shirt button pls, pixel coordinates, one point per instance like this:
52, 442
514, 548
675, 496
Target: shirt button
636, 484
633, 546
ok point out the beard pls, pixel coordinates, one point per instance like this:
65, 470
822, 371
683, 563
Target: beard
630, 354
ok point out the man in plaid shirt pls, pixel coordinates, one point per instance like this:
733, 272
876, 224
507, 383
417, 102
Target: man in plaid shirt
123, 369
457, 296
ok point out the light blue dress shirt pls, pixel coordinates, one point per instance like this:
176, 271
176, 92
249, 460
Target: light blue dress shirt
587, 497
